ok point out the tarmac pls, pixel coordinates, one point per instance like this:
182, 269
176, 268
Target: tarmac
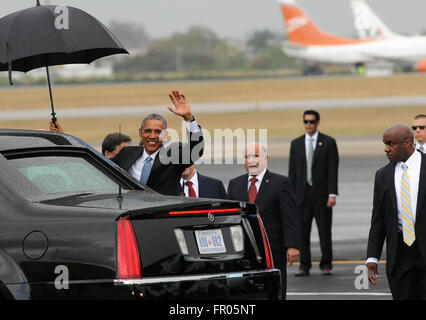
218, 107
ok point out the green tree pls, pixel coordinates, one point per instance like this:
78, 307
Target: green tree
273, 58
197, 49
260, 40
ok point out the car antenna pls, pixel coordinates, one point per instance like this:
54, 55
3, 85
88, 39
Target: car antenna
120, 197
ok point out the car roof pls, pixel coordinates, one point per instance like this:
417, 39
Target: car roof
21, 139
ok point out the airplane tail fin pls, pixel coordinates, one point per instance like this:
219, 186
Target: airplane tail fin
368, 24
301, 30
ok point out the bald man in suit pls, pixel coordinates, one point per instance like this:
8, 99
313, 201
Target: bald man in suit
399, 217
274, 195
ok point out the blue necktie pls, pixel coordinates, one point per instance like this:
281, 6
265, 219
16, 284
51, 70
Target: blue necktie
146, 170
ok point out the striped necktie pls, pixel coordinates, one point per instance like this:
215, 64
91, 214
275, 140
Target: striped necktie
422, 149
406, 210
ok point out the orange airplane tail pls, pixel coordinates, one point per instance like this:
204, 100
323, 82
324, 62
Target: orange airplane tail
421, 65
301, 30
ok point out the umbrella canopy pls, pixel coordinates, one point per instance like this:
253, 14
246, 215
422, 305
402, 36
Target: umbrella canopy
49, 35
27, 36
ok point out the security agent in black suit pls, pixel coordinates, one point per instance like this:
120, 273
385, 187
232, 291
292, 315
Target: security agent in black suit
399, 216
197, 185
151, 163
275, 198
316, 189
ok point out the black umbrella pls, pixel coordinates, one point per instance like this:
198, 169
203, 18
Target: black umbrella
48, 35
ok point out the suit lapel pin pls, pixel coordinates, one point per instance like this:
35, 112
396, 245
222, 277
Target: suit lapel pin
320, 143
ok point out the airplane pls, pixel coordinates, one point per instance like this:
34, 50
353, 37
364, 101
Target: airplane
309, 43
370, 26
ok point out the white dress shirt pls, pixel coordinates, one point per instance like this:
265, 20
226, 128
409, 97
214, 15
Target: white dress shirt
418, 145
259, 178
413, 169
136, 168
194, 181
314, 144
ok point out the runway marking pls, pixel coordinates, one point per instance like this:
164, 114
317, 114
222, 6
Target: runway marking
338, 294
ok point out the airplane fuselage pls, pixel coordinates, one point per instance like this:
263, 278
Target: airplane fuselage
407, 49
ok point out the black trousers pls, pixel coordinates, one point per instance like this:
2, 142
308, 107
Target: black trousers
314, 207
280, 262
408, 280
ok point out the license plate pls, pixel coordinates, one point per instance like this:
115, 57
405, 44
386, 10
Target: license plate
210, 241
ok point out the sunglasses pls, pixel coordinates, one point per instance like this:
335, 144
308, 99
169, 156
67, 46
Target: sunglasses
420, 127
309, 121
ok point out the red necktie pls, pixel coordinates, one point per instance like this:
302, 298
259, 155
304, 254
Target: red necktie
191, 191
252, 191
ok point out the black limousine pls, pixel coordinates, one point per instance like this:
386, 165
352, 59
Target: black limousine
74, 225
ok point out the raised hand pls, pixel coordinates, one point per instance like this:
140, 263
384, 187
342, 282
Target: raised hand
181, 105
55, 127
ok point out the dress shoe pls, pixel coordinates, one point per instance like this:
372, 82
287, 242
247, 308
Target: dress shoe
302, 273
326, 272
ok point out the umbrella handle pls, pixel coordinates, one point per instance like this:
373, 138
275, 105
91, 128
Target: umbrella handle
50, 93
9, 63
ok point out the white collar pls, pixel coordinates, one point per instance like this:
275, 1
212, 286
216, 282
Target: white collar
314, 137
418, 145
146, 155
412, 160
194, 179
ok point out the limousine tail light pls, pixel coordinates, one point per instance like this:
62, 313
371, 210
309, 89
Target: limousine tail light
268, 254
128, 262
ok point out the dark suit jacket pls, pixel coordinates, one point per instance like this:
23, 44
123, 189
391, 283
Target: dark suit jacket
210, 188
324, 167
277, 208
168, 165
384, 220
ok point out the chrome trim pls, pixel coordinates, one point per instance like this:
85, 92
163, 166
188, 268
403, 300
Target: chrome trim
201, 277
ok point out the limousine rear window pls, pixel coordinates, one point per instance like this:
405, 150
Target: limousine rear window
49, 175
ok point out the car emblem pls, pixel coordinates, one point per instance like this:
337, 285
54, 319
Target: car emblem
211, 216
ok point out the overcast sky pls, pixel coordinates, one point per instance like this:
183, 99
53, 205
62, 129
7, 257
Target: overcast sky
237, 18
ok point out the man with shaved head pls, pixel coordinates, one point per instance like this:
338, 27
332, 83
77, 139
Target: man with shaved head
275, 197
399, 216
